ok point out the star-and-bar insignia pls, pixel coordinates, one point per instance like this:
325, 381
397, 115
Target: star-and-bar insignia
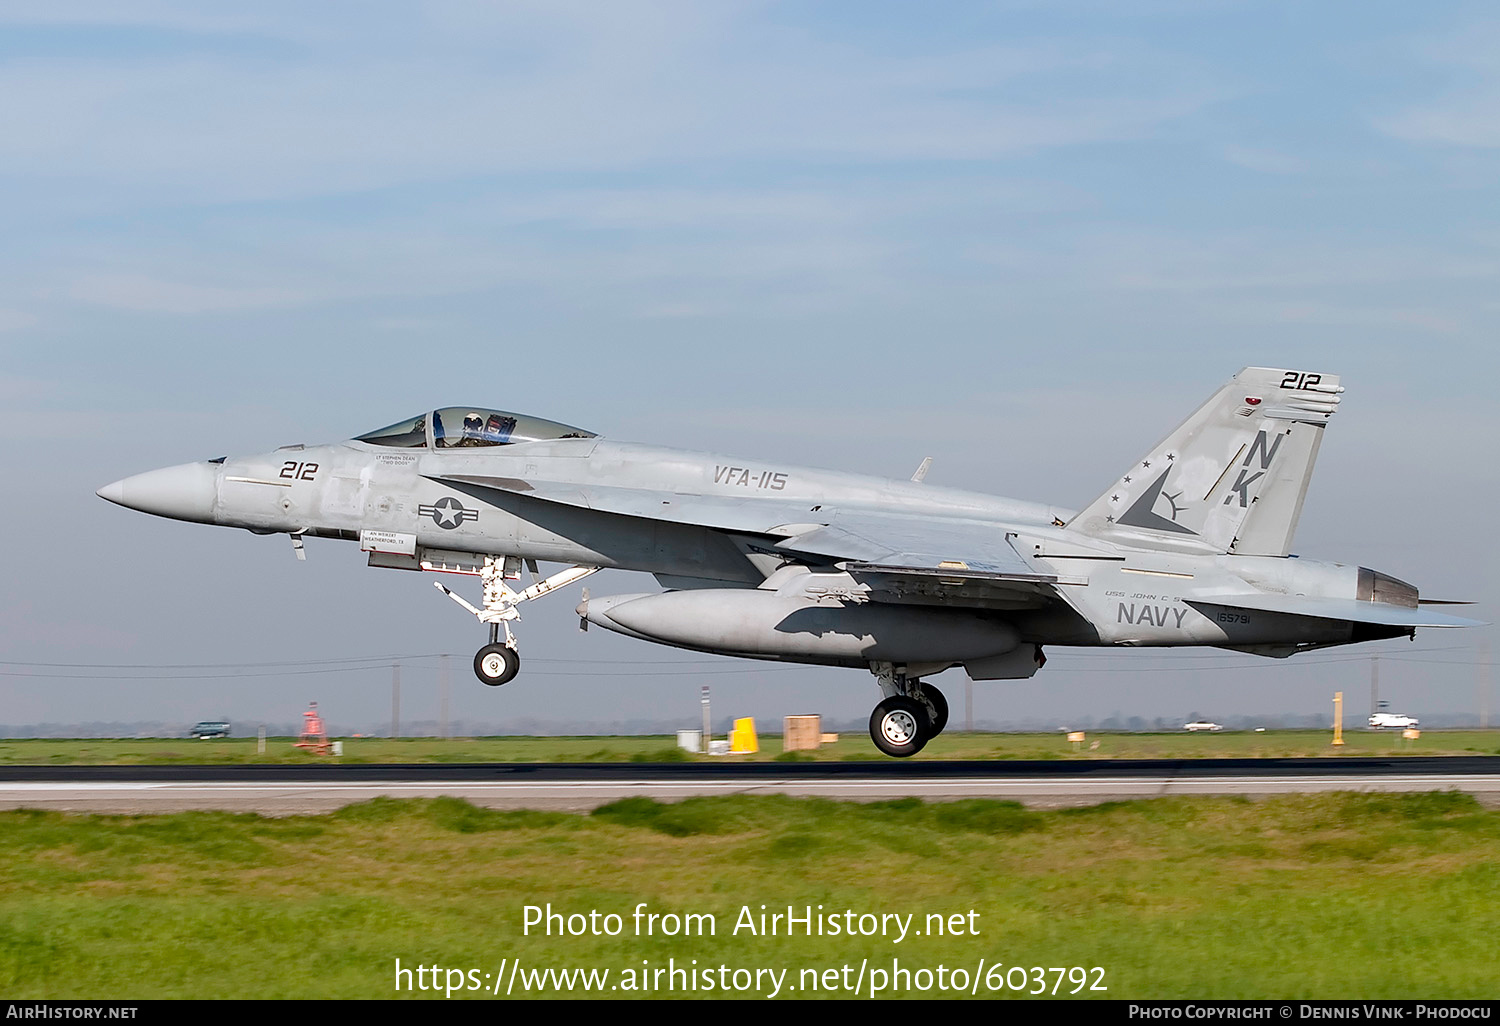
448, 512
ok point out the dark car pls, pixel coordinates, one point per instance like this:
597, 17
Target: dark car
210, 728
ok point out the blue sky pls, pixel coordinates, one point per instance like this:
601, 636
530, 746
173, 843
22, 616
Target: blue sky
1024, 238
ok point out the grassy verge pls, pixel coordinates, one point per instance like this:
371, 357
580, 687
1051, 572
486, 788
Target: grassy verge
1325, 896
850, 746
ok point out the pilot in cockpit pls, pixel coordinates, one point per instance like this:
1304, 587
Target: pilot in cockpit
472, 433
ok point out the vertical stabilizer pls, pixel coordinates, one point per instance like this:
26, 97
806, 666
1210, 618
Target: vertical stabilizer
1230, 478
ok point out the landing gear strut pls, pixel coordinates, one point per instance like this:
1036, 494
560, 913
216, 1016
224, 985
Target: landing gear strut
937, 706
911, 714
498, 662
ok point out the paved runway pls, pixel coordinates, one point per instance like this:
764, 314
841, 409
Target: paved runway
287, 790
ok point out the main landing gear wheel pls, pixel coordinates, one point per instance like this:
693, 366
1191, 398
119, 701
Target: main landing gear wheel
496, 664
937, 715
899, 727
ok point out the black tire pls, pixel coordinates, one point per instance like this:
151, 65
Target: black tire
496, 664
899, 727
938, 714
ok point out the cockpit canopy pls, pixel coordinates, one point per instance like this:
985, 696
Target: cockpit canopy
457, 427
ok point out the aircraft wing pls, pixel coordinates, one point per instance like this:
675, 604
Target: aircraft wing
911, 559
758, 515
902, 558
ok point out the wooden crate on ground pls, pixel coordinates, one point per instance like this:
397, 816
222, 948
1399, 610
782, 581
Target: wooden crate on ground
801, 733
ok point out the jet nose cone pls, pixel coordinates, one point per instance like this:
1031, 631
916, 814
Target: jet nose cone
188, 491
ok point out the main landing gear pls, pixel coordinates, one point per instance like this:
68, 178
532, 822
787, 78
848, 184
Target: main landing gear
498, 662
911, 714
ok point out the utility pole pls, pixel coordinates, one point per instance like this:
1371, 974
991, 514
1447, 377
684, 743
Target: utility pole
443, 687
1484, 683
1374, 686
707, 726
395, 700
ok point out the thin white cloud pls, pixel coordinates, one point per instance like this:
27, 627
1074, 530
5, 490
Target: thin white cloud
1264, 160
16, 320
147, 294
1467, 112
1354, 316
1287, 261
570, 89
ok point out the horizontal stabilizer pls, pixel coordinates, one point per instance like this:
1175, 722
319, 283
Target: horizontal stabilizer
1351, 610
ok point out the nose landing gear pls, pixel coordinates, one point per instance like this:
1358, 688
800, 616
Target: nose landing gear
498, 662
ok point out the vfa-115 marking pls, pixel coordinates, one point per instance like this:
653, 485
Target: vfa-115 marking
1189, 546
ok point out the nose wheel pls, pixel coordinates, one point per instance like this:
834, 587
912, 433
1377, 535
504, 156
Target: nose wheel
496, 664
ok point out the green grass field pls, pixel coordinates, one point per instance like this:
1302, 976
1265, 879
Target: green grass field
850, 746
1329, 896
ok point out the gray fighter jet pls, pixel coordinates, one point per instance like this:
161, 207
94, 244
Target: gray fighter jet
759, 559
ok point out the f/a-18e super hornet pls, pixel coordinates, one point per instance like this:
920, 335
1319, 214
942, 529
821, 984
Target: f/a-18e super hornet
759, 559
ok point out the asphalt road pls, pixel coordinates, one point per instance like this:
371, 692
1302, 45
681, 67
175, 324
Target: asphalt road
287, 790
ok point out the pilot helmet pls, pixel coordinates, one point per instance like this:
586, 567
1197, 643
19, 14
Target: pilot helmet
473, 425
